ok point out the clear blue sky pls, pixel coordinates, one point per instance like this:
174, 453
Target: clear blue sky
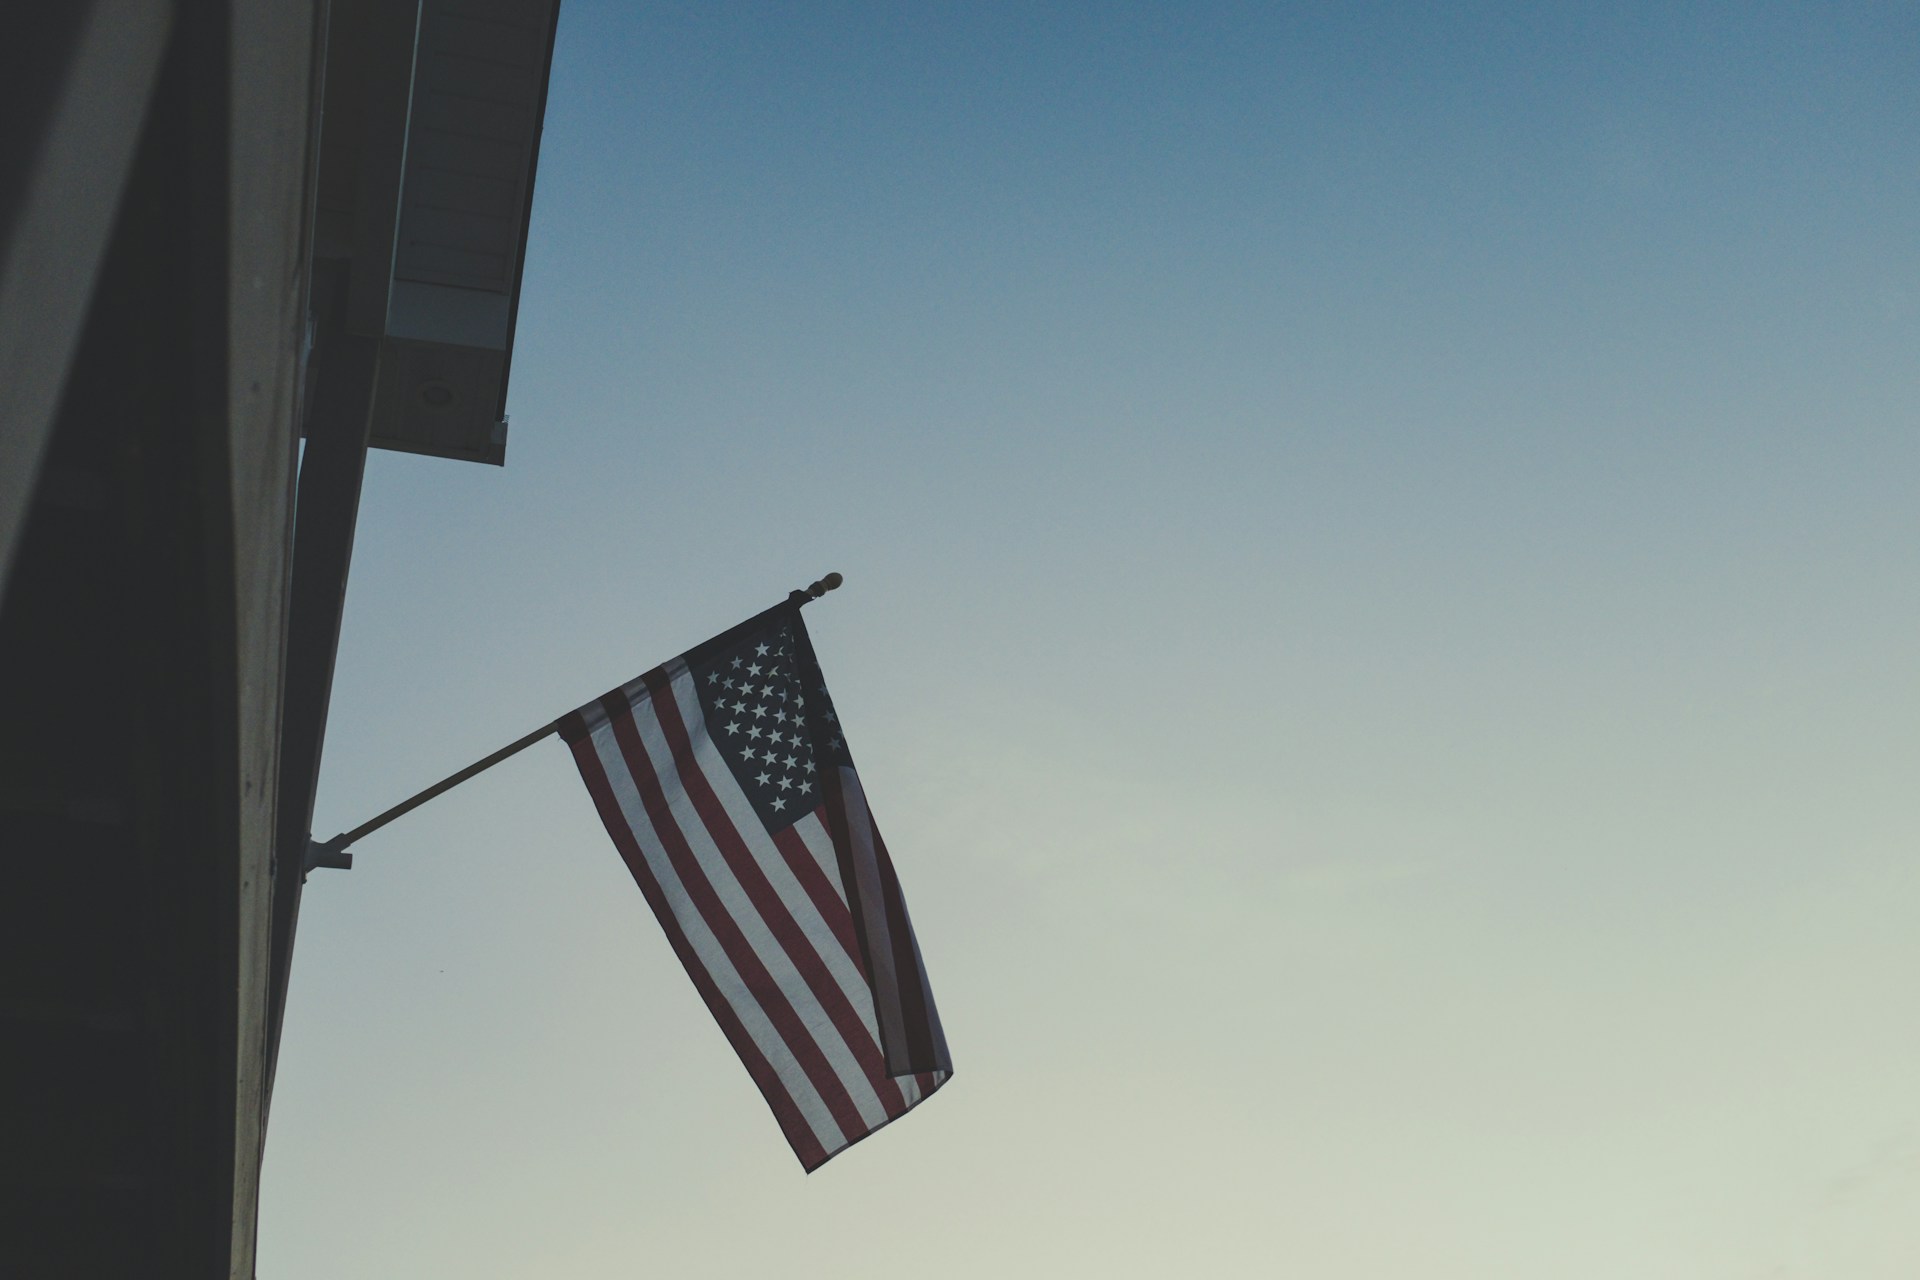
1383, 572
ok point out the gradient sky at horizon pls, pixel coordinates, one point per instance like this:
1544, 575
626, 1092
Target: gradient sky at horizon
1383, 571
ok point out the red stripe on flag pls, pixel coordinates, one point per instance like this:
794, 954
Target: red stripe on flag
879, 975
807, 871
906, 960
786, 1112
792, 939
760, 984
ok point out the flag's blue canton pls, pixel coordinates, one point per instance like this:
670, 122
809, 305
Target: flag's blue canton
772, 721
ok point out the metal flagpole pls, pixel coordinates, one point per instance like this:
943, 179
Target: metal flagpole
333, 853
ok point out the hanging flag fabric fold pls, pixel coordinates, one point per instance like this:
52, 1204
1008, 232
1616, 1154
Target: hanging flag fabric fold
725, 781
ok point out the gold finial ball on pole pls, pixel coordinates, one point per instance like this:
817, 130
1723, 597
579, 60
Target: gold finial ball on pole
807, 594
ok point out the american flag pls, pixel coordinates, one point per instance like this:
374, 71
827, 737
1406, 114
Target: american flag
726, 782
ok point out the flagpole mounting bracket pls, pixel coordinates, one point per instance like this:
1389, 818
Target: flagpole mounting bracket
328, 853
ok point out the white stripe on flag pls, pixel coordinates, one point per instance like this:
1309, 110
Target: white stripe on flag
707, 947
780, 966
773, 865
813, 834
